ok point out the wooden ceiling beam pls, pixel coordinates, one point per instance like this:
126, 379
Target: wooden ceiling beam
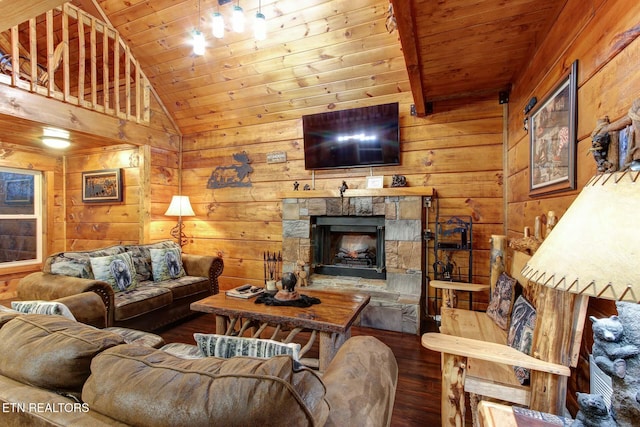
14, 12
404, 13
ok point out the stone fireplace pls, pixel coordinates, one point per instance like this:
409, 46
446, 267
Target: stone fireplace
369, 241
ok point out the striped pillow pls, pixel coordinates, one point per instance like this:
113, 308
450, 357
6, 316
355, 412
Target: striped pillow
42, 307
226, 346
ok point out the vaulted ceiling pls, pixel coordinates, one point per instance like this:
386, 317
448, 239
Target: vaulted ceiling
321, 54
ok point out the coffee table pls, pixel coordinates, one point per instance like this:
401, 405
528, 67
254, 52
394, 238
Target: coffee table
331, 319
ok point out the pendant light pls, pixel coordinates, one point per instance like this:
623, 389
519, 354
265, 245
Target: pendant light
260, 24
237, 18
199, 43
217, 25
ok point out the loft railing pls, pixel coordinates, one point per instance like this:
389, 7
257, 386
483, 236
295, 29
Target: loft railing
71, 56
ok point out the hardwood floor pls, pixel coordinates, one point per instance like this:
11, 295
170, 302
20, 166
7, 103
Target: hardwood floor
418, 393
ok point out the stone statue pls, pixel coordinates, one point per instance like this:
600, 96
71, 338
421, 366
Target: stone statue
288, 292
398, 181
593, 412
616, 352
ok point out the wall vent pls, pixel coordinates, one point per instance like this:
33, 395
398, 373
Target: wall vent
600, 383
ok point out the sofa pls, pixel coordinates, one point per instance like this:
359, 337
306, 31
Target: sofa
56, 372
144, 286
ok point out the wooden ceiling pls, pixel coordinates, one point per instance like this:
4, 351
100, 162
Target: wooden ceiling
323, 54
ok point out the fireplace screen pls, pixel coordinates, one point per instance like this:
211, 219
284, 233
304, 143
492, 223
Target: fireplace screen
349, 246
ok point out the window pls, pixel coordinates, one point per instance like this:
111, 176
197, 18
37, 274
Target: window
20, 217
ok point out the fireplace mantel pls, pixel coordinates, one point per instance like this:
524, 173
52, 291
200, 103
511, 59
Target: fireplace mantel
358, 192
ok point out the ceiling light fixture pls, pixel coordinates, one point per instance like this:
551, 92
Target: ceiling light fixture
260, 24
55, 138
217, 25
199, 43
53, 142
237, 18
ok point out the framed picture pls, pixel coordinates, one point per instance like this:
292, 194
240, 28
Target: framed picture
552, 134
375, 181
102, 186
18, 191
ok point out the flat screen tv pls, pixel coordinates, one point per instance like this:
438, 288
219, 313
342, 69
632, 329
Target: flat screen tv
359, 137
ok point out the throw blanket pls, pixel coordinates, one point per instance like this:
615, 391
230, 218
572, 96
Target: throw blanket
304, 301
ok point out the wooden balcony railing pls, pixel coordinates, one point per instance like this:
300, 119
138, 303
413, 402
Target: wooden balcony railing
71, 56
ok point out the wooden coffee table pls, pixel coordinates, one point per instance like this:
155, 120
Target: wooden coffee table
331, 319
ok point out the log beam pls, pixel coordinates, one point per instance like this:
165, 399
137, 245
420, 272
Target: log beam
15, 12
21, 104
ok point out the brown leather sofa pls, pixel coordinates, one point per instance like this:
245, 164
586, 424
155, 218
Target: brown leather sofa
56, 372
149, 306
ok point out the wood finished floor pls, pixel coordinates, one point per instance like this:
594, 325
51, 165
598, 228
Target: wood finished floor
418, 393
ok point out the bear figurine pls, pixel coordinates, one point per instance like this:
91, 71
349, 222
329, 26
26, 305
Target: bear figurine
608, 352
593, 412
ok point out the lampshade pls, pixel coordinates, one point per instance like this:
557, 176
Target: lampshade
180, 206
594, 248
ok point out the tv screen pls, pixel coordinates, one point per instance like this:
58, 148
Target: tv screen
366, 136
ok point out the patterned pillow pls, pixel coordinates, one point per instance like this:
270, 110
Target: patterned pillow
523, 321
499, 308
227, 346
166, 264
116, 270
42, 307
142, 258
77, 264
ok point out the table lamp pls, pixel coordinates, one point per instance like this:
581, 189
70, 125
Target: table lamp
180, 206
594, 250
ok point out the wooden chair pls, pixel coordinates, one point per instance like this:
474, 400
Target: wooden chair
476, 358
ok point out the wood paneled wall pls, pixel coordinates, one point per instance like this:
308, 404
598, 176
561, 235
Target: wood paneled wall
603, 36
457, 150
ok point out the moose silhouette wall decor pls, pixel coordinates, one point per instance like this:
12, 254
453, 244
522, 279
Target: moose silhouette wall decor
233, 175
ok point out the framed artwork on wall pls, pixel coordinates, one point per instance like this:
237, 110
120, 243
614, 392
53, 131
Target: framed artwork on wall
102, 186
552, 135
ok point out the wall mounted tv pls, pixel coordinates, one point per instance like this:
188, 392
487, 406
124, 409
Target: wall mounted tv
359, 137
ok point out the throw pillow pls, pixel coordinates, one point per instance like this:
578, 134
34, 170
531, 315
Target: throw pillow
166, 264
142, 257
523, 321
499, 308
117, 270
42, 307
226, 346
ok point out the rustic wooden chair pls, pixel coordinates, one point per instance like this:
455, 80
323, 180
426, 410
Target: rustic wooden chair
476, 358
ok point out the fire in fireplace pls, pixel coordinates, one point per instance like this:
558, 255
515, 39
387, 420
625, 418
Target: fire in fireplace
349, 246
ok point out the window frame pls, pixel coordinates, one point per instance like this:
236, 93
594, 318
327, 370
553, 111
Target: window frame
37, 215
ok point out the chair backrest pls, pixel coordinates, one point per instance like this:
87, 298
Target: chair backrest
558, 331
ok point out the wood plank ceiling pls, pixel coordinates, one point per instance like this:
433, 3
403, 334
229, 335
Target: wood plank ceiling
324, 54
